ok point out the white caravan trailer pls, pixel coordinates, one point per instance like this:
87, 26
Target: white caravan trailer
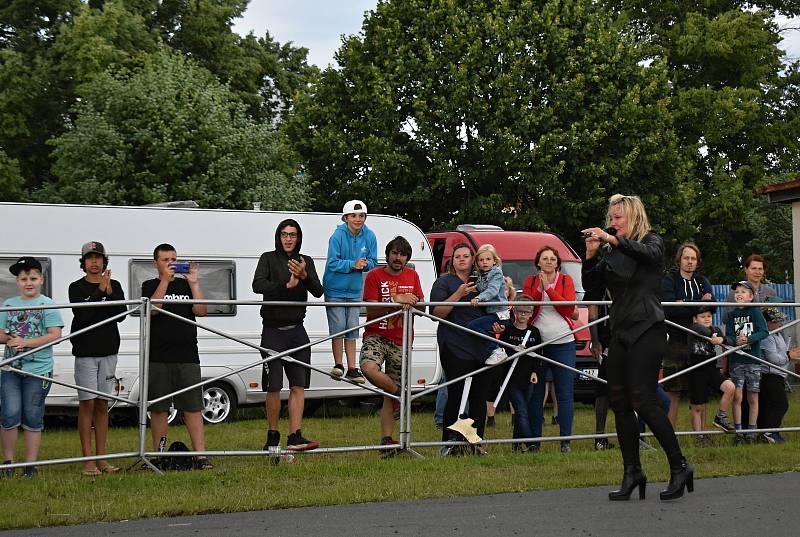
227, 244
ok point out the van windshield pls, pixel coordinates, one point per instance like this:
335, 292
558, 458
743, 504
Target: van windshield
520, 269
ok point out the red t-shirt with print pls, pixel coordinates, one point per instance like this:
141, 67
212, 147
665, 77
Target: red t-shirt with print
380, 286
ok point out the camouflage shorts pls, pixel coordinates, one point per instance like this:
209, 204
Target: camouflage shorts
378, 350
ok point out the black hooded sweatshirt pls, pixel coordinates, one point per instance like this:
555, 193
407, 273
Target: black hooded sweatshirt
272, 275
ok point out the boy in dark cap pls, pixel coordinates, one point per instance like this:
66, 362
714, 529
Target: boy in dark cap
707, 377
95, 351
22, 330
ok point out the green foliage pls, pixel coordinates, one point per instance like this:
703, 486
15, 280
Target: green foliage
772, 224
11, 182
521, 113
735, 109
98, 39
167, 131
262, 73
48, 49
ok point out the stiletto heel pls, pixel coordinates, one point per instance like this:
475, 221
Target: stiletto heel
632, 478
681, 475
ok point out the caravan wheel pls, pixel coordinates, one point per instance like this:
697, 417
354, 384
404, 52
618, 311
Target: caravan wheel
220, 403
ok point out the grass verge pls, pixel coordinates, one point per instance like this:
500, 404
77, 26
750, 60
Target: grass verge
61, 495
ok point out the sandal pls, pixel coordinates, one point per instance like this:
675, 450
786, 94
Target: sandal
109, 469
203, 463
92, 472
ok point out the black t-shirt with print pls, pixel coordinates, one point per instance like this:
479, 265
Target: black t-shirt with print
172, 340
526, 363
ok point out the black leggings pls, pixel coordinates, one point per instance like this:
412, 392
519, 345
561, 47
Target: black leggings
455, 367
632, 382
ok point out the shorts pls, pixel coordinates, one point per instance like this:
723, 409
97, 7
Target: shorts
22, 401
673, 362
166, 378
96, 373
341, 318
702, 381
283, 339
378, 349
746, 376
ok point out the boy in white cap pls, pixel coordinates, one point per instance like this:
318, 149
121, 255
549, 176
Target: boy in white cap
352, 251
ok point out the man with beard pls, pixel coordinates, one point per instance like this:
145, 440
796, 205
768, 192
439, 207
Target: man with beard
383, 340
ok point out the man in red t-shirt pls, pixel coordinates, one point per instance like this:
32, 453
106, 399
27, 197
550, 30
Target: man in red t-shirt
383, 340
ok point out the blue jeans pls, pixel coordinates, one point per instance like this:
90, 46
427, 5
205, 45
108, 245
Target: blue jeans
522, 399
22, 401
563, 379
441, 401
483, 325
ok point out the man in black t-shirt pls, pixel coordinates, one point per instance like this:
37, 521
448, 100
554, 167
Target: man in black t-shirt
174, 360
95, 351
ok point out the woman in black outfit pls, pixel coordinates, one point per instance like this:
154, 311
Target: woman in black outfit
628, 261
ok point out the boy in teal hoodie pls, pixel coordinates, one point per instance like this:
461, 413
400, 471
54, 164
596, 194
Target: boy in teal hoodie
352, 252
745, 326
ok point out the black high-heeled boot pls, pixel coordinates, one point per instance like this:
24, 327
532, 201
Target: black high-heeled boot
681, 474
632, 478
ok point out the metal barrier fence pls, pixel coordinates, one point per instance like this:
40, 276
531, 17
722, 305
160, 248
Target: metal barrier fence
145, 307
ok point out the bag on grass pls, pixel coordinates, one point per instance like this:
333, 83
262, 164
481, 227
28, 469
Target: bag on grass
167, 462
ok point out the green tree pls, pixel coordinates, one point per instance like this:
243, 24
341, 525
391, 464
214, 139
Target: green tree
523, 113
49, 47
168, 131
263, 73
735, 109
97, 39
11, 182
31, 96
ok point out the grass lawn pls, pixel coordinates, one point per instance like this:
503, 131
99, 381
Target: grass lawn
61, 495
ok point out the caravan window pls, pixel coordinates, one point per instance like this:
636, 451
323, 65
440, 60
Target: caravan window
8, 283
217, 280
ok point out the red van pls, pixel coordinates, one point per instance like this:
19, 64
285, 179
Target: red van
517, 249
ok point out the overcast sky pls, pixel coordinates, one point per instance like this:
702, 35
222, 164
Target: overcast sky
319, 24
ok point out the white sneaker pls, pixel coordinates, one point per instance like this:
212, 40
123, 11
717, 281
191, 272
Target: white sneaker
497, 356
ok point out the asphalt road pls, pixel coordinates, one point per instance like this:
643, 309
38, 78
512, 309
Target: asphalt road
762, 505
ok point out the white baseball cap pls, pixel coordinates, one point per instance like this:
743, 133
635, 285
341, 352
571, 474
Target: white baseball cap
354, 206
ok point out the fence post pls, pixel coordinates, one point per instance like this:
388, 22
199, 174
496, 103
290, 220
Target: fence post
405, 388
144, 375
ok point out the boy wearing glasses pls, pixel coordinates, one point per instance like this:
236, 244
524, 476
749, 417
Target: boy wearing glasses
520, 333
284, 274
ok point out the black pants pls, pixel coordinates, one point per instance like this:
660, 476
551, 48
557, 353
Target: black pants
455, 367
632, 381
772, 401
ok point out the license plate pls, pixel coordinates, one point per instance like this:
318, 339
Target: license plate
588, 371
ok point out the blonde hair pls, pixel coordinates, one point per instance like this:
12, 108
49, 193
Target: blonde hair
488, 248
635, 215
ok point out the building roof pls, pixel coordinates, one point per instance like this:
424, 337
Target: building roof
786, 192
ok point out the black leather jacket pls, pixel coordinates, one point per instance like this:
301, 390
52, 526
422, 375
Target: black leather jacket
632, 272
